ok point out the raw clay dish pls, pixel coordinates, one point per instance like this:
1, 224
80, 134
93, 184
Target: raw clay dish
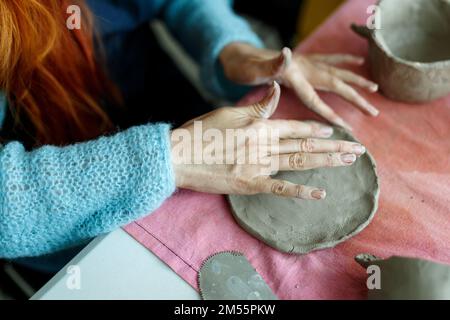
301, 226
409, 53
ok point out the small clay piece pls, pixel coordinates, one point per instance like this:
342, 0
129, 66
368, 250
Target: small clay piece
410, 53
408, 278
230, 276
301, 226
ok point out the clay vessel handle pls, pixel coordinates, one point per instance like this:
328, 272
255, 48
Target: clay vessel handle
366, 259
363, 31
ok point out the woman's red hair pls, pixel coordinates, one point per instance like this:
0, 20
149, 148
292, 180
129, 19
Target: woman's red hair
50, 74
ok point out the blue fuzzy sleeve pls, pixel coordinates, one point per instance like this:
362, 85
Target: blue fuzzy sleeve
56, 197
205, 27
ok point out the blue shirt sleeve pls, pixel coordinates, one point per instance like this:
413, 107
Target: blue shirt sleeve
205, 27
122, 16
54, 198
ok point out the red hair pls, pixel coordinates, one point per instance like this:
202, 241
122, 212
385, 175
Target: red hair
50, 74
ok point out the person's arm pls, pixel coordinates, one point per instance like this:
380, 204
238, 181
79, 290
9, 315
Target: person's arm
204, 28
55, 197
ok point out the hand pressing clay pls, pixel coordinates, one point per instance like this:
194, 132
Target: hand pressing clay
301, 226
408, 278
230, 276
410, 52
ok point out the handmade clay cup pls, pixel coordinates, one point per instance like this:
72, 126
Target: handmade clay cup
409, 53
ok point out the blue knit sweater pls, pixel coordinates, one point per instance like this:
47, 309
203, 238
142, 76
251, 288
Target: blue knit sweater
54, 198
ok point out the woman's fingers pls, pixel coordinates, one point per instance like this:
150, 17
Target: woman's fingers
262, 70
352, 78
267, 105
287, 189
337, 59
304, 161
318, 146
311, 99
294, 129
273, 68
347, 92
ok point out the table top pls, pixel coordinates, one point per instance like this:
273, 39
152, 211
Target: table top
115, 266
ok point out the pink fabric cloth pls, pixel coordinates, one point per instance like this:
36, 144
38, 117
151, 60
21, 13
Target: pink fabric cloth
411, 144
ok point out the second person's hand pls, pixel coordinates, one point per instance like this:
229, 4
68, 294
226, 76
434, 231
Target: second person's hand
304, 74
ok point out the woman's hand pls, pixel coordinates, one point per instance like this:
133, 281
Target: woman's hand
236, 150
246, 64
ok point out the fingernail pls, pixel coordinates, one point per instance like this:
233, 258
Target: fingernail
373, 111
319, 194
358, 149
374, 88
287, 56
348, 158
325, 132
275, 84
360, 61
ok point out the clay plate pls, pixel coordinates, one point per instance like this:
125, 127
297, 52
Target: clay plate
301, 226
